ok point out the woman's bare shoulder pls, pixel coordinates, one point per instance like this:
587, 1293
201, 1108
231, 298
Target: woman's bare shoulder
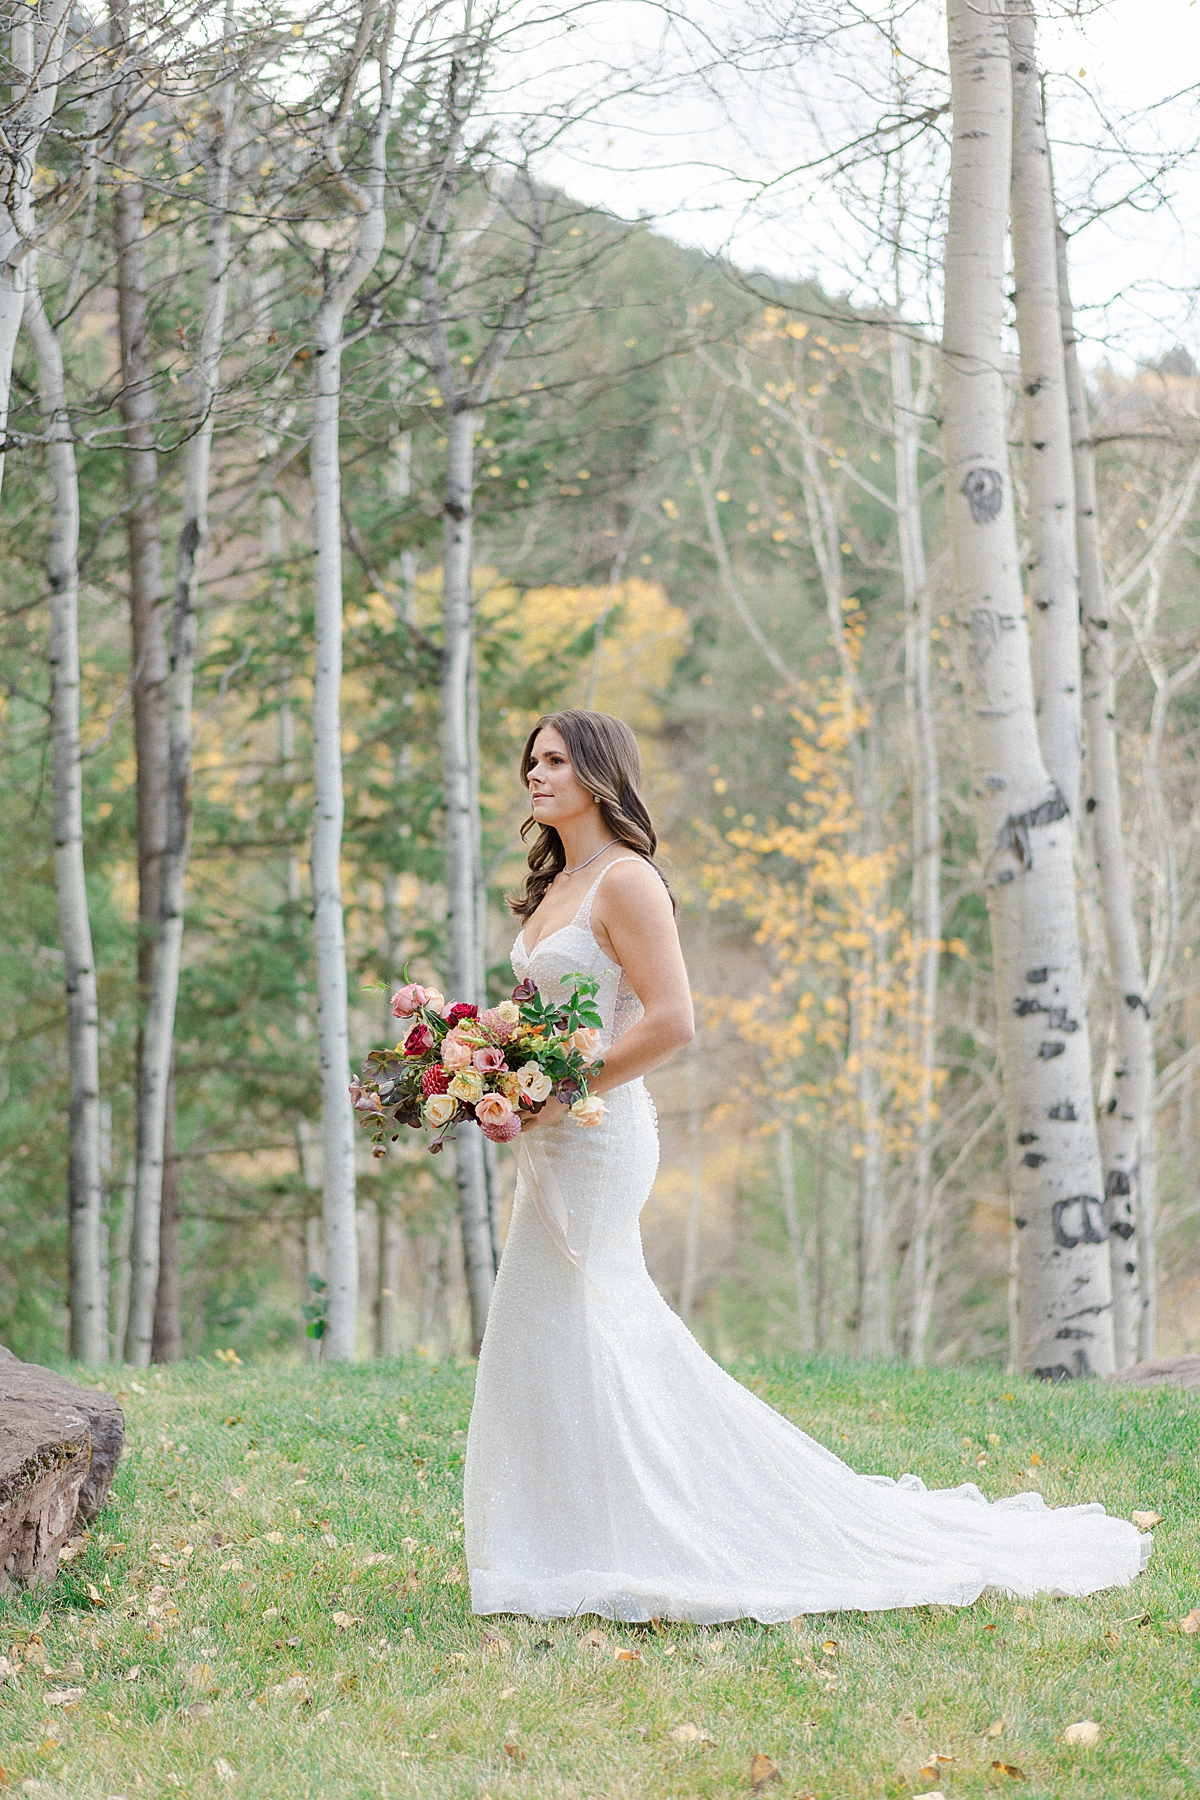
631, 882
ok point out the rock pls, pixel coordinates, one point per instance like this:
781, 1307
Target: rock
1163, 1371
59, 1449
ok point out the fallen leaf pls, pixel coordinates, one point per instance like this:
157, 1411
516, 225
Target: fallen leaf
594, 1640
94, 1594
625, 1655
64, 1696
495, 1643
1003, 1768
224, 1771
687, 1733
72, 1548
1035, 1461
508, 1692
272, 1612
199, 1709
1191, 1624
324, 1716
344, 1620
347, 1683
762, 1771
1144, 1520
200, 1677
829, 1647
295, 1684
273, 1537
1084, 1731
513, 1749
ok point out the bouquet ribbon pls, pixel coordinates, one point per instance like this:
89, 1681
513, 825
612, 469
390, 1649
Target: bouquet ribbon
547, 1197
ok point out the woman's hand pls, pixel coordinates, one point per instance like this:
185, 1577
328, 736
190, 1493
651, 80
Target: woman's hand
549, 1114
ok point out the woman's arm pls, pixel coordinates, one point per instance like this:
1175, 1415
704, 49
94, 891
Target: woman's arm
634, 924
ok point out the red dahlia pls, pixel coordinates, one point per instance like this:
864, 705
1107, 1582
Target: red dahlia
462, 1009
435, 1081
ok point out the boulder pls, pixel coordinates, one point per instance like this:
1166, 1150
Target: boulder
1162, 1371
59, 1449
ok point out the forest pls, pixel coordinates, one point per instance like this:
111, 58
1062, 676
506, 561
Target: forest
341, 441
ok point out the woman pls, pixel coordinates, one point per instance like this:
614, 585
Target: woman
612, 1468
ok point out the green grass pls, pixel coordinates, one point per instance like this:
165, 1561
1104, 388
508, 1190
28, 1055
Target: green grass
239, 1574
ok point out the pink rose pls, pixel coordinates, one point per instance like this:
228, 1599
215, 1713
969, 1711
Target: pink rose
455, 1054
493, 1109
487, 1061
406, 1001
588, 1041
589, 1111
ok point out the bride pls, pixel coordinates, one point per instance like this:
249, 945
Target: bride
612, 1467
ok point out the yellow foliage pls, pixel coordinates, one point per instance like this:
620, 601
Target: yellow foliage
844, 996
644, 637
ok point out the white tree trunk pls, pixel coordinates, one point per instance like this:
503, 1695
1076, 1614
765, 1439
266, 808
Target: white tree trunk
333, 1038
460, 727
340, 1343
159, 1038
791, 1219
1129, 1072
917, 1287
89, 1329
36, 52
1053, 569
1024, 829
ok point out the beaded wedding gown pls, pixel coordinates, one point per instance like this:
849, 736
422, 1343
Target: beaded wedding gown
613, 1468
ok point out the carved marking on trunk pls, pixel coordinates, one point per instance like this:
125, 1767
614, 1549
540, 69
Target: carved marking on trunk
984, 491
1013, 835
1091, 1225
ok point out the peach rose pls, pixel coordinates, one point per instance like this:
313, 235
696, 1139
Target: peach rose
588, 1041
589, 1111
534, 1083
455, 1054
493, 1109
439, 1110
488, 1060
467, 1086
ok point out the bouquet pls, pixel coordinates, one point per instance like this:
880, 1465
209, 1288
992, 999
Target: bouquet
492, 1067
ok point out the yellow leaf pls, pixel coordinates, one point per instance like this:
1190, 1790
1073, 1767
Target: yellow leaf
1003, 1768
762, 1771
1144, 1520
625, 1655
996, 1728
1085, 1732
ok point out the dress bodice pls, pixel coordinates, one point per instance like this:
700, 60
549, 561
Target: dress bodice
573, 950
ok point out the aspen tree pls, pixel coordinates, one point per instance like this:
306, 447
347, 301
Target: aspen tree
465, 390
89, 1331
1053, 569
1064, 1323
38, 37
158, 1046
368, 201
1129, 1064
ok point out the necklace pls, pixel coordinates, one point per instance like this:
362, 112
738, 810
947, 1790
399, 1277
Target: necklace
591, 859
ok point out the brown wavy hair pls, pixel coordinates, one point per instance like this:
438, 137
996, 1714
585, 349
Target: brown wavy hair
604, 754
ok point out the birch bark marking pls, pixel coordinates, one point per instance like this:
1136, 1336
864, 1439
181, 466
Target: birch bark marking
1053, 566
89, 1329
1024, 829
159, 1039
1129, 1069
340, 1342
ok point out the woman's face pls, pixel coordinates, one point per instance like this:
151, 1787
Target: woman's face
556, 794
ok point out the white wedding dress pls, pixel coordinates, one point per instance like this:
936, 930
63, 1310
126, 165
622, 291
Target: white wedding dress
613, 1468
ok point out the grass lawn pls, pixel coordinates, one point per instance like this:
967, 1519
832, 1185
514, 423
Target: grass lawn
274, 1602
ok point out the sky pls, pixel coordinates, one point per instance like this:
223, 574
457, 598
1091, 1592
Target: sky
707, 161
